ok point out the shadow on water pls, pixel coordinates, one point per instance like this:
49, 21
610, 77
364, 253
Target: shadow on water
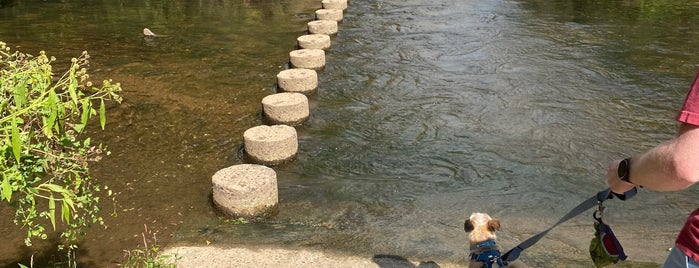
427, 111
393, 261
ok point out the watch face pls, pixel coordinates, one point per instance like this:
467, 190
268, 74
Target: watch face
623, 169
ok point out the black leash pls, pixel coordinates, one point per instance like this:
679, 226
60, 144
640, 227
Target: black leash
591, 202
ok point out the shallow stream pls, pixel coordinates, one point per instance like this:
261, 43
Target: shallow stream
427, 111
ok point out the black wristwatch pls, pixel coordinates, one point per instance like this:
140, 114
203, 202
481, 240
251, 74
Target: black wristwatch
624, 170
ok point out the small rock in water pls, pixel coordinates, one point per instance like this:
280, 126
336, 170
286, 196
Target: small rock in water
148, 32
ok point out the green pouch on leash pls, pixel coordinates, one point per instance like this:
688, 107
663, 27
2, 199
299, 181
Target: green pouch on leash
605, 249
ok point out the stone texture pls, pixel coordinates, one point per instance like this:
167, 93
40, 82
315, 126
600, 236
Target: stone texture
271, 145
307, 58
334, 4
249, 191
328, 27
289, 108
314, 41
329, 14
298, 80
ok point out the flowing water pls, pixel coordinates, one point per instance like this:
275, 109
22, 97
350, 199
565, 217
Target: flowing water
426, 111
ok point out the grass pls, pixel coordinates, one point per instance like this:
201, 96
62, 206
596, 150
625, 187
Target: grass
148, 255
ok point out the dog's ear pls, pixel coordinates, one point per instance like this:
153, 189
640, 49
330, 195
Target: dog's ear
468, 226
494, 225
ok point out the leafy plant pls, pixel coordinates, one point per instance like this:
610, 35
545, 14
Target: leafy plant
44, 154
149, 256
236, 221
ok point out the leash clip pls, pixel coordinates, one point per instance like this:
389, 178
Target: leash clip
599, 213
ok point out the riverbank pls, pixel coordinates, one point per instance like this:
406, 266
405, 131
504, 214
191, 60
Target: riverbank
268, 256
244, 256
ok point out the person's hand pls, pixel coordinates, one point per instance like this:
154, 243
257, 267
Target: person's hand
614, 182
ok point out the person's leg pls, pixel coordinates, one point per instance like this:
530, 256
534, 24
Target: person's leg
677, 259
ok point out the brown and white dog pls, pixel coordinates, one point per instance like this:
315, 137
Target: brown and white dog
482, 242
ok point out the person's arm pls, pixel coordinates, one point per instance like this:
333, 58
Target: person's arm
670, 166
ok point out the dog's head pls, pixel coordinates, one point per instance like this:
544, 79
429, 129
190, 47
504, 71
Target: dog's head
481, 227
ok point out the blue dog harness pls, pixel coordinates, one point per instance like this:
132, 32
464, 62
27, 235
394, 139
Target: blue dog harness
488, 257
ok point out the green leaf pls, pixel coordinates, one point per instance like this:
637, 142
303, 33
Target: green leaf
72, 88
6, 190
53, 187
52, 211
47, 127
85, 115
79, 127
20, 93
68, 201
51, 103
61, 112
103, 116
65, 210
16, 140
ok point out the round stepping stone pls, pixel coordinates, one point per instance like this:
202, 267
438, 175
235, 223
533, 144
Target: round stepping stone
307, 58
329, 14
328, 27
248, 190
334, 4
298, 80
314, 41
289, 108
271, 145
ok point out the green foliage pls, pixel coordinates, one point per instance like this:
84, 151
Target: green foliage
44, 154
149, 255
236, 221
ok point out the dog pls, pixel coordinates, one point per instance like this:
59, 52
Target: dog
484, 251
